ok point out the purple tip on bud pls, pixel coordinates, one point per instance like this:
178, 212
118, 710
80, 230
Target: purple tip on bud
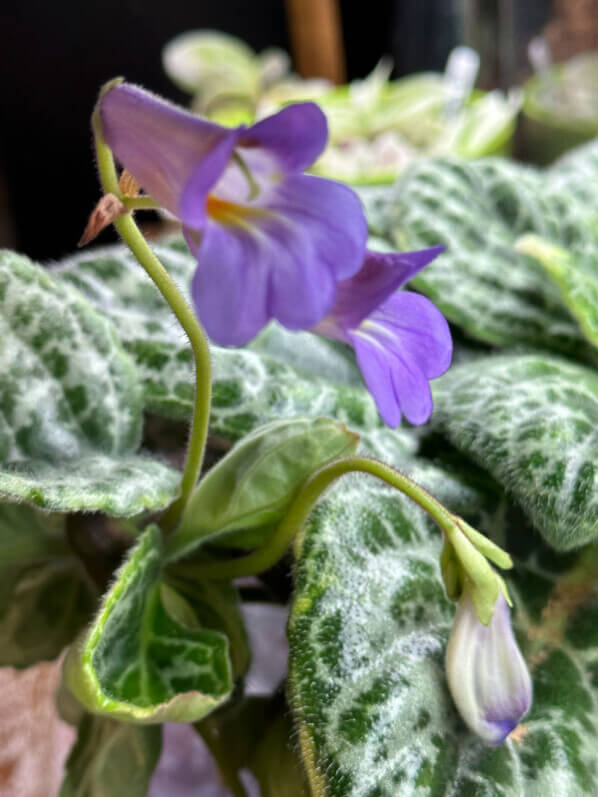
487, 675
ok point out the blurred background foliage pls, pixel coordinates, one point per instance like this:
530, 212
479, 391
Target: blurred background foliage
55, 56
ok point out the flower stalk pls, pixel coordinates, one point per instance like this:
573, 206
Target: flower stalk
132, 236
300, 509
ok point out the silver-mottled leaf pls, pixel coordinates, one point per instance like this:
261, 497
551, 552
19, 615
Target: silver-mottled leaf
480, 282
273, 378
368, 630
532, 422
145, 658
70, 403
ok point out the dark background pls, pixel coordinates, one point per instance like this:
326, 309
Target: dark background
55, 56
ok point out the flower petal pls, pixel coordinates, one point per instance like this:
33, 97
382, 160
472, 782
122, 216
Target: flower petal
376, 368
399, 348
330, 216
287, 247
327, 214
487, 675
249, 274
420, 332
192, 202
294, 137
230, 298
378, 278
161, 145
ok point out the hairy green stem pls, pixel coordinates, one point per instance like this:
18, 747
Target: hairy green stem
132, 236
139, 203
299, 511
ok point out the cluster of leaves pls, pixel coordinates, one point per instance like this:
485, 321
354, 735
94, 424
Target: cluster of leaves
376, 126
89, 347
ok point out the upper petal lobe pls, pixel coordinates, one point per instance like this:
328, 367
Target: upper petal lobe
294, 137
160, 144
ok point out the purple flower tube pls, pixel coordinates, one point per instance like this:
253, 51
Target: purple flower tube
401, 339
487, 675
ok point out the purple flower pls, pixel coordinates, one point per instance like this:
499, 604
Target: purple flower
487, 676
270, 241
401, 339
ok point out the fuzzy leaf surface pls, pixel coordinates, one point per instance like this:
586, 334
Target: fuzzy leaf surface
532, 422
217, 606
368, 630
70, 403
250, 386
146, 659
482, 283
576, 276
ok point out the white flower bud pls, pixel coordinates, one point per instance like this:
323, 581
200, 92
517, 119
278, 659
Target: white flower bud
486, 673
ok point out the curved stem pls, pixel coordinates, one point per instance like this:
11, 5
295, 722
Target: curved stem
203, 372
159, 275
266, 557
140, 203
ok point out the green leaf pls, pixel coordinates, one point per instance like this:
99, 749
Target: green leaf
42, 608
111, 759
114, 282
145, 658
274, 378
251, 389
482, 283
532, 422
121, 486
368, 630
276, 764
254, 484
309, 355
232, 734
45, 596
256, 734
213, 66
577, 278
70, 403
217, 607
28, 536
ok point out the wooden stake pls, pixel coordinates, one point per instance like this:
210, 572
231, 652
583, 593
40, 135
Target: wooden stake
316, 38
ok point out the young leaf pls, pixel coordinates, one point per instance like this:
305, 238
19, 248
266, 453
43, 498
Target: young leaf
233, 733
217, 607
532, 422
368, 630
256, 734
111, 759
70, 403
254, 484
276, 763
145, 658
